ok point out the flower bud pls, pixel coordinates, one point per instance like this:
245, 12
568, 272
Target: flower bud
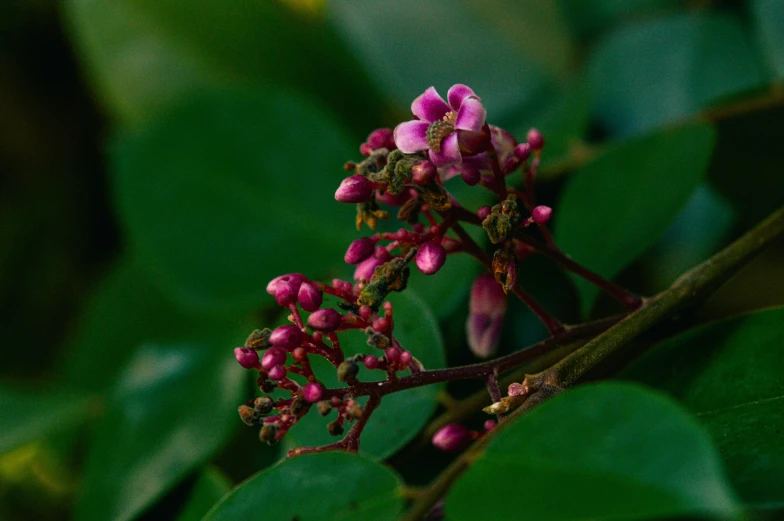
312, 392
452, 438
516, 389
274, 356
535, 139
483, 212
325, 320
324, 407
268, 434
247, 415
277, 373
487, 308
248, 358
366, 268
522, 151
541, 214
354, 189
334, 428
470, 174
430, 257
359, 250
371, 362
299, 406
294, 278
309, 296
490, 425
424, 173
286, 337
259, 339
347, 371
286, 294
379, 138
392, 354
405, 358
263, 404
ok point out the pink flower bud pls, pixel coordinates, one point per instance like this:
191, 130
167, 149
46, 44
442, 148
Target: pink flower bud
483, 212
423, 173
392, 354
382, 196
490, 425
522, 151
354, 189
371, 362
309, 296
382, 254
325, 320
516, 389
470, 174
535, 139
359, 250
405, 358
286, 337
274, 356
452, 438
541, 214
430, 257
293, 278
487, 308
379, 138
248, 358
366, 268
277, 373
286, 294
312, 392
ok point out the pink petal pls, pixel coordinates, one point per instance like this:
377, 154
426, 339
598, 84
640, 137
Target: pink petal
411, 136
450, 152
429, 106
471, 115
458, 93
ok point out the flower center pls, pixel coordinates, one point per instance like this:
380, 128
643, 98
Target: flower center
440, 129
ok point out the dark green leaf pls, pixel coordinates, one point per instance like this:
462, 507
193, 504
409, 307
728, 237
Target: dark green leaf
588, 17
173, 407
211, 486
230, 191
400, 415
729, 373
608, 451
617, 206
316, 487
769, 21
29, 415
651, 73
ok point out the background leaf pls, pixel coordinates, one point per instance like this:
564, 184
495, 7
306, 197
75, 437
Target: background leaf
730, 375
608, 451
617, 206
171, 410
316, 487
401, 415
651, 73
215, 196
211, 486
769, 21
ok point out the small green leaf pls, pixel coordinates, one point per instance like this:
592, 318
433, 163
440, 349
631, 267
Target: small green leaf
655, 72
230, 191
29, 415
730, 375
607, 451
211, 486
769, 21
400, 416
171, 410
618, 206
316, 487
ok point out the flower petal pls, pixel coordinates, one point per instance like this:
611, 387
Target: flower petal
411, 136
450, 152
429, 106
471, 115
458, 93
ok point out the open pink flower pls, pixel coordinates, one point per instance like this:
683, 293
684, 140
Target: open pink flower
439, 124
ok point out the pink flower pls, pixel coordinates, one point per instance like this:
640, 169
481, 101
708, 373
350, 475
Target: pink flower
439, 124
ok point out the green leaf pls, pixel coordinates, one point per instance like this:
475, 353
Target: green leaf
400, 416
607, 451
588, 17
171, 410
316, 487
211, 486
230, 191
769, 23
729, 374
32, 414
652, 73
617, 206
409, 45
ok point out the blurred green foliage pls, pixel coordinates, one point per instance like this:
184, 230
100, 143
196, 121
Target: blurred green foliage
162, 160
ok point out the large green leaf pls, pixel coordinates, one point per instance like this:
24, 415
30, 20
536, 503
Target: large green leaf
230, 191
730, 374
651, 73
316, 487
400, 416
769, 21
172, 409
618, 205
608, 451
211, 486
409, 45
588, 17
29, 415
